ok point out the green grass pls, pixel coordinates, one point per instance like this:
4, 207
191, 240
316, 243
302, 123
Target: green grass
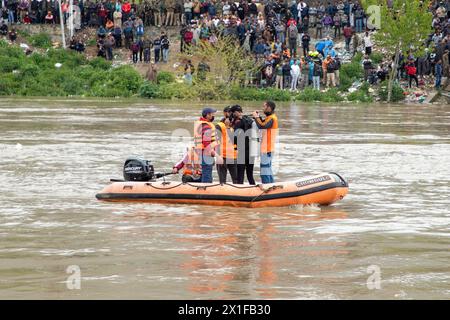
40, 40
311, 95
37, 75
397, 92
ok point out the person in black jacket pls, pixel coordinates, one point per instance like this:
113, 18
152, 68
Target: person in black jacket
306, 39
157, 48
4, 29
286, 73
242, 125
253, 9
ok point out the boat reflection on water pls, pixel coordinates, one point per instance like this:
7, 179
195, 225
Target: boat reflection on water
226, 252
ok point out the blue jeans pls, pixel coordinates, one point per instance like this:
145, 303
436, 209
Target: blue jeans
165, 54
359, 25
266, 168
11, 16
438, 81
147, 55
188, 17
207, 167
316, 82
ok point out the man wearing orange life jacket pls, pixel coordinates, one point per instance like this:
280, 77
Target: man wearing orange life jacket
205, 143
269, 128
226, 148
192, 166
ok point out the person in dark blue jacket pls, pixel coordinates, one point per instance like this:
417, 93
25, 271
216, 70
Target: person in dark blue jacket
294, 10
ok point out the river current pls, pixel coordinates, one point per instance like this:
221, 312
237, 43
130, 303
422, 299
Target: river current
388, 239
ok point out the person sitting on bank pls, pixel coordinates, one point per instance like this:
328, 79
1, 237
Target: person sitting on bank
192, 166
242, 125
226, 148
269, 128
205, 143
4, 29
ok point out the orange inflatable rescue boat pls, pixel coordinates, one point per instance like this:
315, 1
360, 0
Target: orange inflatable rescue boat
323, 189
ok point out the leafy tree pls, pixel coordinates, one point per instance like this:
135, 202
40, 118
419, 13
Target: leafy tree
228, 62
404, 26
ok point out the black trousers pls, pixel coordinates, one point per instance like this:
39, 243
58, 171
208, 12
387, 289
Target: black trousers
305, 49
245, 168
223, 169
411, 78
157, 52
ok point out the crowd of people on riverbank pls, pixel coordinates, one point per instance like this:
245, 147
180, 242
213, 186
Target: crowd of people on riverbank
435, 61
279, 34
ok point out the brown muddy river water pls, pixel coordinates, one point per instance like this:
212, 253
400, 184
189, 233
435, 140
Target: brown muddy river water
388, 239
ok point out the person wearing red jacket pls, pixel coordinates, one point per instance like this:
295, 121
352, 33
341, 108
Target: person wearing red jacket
188, 36
291, 21
348, 34
126, 9
411, 71
102, 14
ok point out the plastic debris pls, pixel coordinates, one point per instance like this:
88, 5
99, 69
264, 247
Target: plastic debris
355, 86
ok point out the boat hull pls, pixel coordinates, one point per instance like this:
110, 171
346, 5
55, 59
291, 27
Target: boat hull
323, 189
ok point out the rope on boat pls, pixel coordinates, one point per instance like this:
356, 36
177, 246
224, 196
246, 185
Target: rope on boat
158, 188
264, 191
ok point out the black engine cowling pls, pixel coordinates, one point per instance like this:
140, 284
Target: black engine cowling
137, 169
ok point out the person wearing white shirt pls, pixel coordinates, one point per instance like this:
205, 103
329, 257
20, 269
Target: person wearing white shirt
226, 9
196, 37
301, 5
368, 43
295, 74
188, 12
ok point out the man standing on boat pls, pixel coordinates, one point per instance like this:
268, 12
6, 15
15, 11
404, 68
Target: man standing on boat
244, 138
269, 128
205, 143
226, 148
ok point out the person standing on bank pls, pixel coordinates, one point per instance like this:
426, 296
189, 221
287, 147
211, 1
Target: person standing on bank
269, 128
226, 148
242, 125
205, 143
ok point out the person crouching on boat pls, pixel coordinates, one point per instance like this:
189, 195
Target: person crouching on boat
205, 143
191, 165
226, 148
269, 128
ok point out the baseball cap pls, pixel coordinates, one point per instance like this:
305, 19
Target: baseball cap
207, 110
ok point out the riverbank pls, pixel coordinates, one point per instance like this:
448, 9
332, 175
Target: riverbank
52, 71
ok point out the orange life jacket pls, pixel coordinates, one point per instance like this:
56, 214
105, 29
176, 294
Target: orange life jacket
269, 135
206, 140
192, 165
227, 149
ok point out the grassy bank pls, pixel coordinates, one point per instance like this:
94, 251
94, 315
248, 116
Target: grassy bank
58, 72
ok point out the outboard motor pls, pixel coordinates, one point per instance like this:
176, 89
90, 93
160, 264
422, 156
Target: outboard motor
137, 169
